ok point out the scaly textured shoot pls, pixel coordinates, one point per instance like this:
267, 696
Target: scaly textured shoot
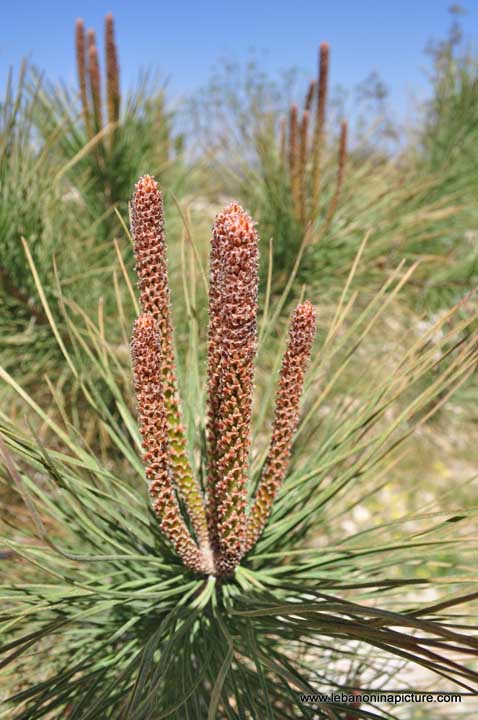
291, 384
233, 303
153, 426
147, 226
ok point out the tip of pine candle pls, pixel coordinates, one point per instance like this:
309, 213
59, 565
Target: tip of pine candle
147, 196
79, 23
324, 48
146, 184
236, 224
233, 208
306, 310
303, 328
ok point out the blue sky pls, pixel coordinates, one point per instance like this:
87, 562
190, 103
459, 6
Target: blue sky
184, 38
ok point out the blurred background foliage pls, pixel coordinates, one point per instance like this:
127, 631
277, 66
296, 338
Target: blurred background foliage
413, 189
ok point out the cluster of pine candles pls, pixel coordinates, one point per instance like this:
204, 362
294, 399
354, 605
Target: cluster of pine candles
220, 528
302, 146
89, 80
